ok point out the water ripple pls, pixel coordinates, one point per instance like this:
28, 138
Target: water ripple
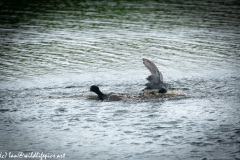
52, 52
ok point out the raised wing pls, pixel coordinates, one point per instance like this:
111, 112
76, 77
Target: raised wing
156, 79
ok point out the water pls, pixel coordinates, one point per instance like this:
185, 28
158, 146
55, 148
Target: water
52, 52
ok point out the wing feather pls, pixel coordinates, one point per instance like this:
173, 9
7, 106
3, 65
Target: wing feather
156, 79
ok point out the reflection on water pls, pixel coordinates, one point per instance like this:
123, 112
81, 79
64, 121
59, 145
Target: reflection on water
40, 38
52, 52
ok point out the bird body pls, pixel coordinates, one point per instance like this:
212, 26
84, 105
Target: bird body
106, 97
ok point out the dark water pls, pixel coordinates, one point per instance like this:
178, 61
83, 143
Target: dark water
52, 51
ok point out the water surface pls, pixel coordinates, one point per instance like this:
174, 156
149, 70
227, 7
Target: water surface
52, 52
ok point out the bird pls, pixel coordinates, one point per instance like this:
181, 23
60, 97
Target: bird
155, 79
153, 87
107, 97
